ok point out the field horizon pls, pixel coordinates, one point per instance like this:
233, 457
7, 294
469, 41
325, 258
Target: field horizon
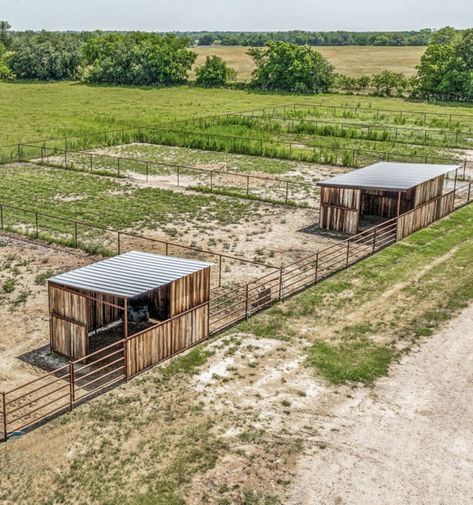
353, 61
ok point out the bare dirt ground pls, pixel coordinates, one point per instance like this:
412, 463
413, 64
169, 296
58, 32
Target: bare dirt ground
409, 440
24, 311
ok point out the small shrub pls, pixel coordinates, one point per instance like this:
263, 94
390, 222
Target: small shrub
9, 285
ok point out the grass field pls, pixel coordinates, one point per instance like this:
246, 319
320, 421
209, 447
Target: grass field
349, 60
34, 111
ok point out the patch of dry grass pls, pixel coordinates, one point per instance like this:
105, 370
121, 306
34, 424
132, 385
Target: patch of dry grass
349, 60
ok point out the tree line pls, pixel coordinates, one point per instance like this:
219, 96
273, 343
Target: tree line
302, 38
151, 59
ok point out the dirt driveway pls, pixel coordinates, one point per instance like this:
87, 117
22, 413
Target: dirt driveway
407, 441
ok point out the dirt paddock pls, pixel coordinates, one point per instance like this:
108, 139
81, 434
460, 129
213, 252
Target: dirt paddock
24, 267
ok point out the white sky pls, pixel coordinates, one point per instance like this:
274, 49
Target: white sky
250, 15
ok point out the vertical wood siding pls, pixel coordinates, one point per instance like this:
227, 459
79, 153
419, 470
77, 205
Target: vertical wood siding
429, 190
425, 215
69, 322
166, 339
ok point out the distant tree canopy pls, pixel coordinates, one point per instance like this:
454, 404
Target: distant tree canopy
446, 69
214, 73
5, 70
289, 67
138, 58
301, 38
46, 56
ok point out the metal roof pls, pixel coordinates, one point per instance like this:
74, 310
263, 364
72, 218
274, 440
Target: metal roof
389, 176
130, 274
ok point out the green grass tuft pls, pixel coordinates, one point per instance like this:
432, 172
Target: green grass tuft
361, 361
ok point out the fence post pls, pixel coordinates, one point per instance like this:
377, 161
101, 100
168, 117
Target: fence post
36, 224
468, 200
91, 163
71, 386
76, 241
118, 166
147, 171
4, 415
18, 152
219, 270
247, 185
1, 216
281, 292
167, 248
316, 267
118, 242
374, 238
287, 191
178, 176
211, 180
246, 304
42, 155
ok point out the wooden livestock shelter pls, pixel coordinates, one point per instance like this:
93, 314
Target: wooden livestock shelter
131, 297
381, 191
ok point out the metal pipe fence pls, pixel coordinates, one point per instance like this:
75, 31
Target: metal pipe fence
59, 391
104, 241
234, 184
236, 305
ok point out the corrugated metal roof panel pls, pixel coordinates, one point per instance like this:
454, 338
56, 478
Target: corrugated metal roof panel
130, 274
389, 176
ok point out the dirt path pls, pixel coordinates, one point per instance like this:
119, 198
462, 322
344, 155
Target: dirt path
407, 441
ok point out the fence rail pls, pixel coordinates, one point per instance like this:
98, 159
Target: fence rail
97, 239
257, 187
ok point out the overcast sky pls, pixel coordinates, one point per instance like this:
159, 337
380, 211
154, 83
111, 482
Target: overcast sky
254, 15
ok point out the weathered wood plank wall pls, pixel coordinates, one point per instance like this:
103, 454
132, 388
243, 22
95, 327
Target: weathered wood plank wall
156, 344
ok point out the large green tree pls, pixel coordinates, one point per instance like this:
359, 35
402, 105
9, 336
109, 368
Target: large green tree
289, 67
139, 59
214, 73
47, 56
446, 69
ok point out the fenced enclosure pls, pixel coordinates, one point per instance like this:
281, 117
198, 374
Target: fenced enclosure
107, 242
66, 387
259, 285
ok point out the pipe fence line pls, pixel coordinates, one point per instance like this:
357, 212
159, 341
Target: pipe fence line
96, 239
61, 390
280, 191
318, 153
375, 111
239, 304
371, 130
111, 368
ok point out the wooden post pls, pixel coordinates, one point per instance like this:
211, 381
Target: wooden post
247, 185
287, 191
1, 216
398, 203
469, 192
36, 224
455, 182
119, 245
374, 238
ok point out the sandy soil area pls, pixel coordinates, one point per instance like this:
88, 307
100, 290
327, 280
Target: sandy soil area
24, 320
407, 441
